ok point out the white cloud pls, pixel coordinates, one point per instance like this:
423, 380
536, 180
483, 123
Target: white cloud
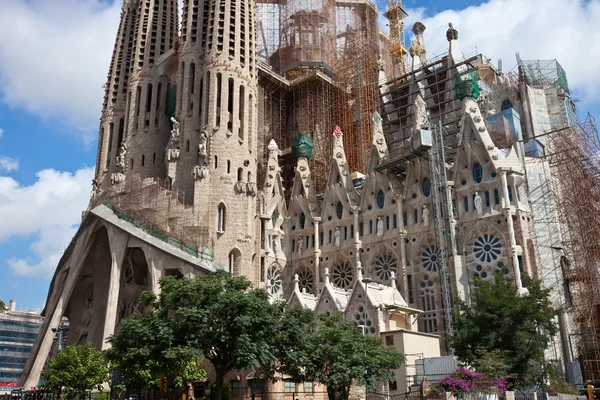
50, 209
563, 29
54, 56
1, 132
8, 164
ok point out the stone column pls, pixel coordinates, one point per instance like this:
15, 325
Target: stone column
357, 243
317, 220
118, 245
402, 235
511, 234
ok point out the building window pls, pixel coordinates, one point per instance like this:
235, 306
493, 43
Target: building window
380, 199
221, 218
477, 173
389, 340
405, 218
345, 233
257, 386
410, 289
387, 222
415, 216
426, 187
487, 199
370, 227
360, 228
339, 210
496, 196
308, 387
143, 160
302, 220
393, 385
395, 223
466, 202
228, 166
240, 174
290, 387
235, 388
510, 197
330, 235
216, 162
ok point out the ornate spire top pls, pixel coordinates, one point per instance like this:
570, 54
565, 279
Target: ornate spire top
451, 33
418, 28
273, 145
326, 276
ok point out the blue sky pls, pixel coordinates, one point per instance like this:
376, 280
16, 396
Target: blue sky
54, 56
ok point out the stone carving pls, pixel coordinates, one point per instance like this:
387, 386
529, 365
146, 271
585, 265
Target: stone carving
200, 172
202, 150
425, 215
117, 178
379, 227
380, 63
451, 33
175, 132
338, 237
478, 204
173, 154
419, 113
300, 244
251, 188
95, 188
416, 49
86, 318
276, 245
121, 158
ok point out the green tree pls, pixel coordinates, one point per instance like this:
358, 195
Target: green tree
514, 328
2, 306
80, 368
145, 348
230, 323
336, 354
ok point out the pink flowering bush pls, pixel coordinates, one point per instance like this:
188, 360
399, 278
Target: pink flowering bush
464, 381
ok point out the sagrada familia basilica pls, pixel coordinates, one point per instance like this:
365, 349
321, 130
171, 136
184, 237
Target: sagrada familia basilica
296, 145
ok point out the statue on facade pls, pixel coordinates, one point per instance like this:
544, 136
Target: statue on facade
338, 237
300, 244
379, 227
95, 187
202, 150
478, 204
176, 129
121, 158
425, 215
276, 245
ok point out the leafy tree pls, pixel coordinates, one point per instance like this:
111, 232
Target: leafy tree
80, 368
145, 348
2, 306
232, 325
515, 328
335, 353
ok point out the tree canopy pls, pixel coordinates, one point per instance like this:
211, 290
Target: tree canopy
336, 354
2, 306
79, 368
510, 331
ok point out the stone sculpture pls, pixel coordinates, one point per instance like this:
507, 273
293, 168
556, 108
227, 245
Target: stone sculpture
338, 237
478, 204
425, 215
379, 227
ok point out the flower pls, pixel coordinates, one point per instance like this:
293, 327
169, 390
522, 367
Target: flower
463, 380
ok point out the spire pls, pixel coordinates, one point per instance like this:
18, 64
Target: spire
393, 279
454, 52
326, 273
296, 283
273, 145
417, 48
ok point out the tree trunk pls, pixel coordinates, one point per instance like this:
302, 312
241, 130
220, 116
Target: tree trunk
218, 385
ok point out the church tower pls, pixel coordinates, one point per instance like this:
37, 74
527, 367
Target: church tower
134, 128
216, 108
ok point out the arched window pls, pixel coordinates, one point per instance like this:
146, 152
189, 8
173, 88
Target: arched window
216, 162
228, 166
240, 174
477, 173
466, 201
506, 104
233, 262
426, 187
380, 199
339, 210
496, 196
302, 220
221, 218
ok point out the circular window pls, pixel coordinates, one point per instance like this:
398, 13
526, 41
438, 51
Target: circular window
430, 259
343, 276
273, 280
384, 266
306, 280
477, 173
339, 210
487, 248
380, 199
426, 187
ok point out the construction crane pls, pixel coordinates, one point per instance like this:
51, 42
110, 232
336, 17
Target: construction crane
396, 14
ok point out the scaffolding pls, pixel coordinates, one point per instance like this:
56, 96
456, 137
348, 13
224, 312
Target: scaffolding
149, 205
544, 73
319, 70
572, 154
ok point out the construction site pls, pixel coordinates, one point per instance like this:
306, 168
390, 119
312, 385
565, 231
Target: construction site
318, 156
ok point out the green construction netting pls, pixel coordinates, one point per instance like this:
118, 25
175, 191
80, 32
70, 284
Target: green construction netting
545, 73
466, 84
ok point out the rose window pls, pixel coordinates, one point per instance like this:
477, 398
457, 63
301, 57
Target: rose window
305, 280
384, 266
343, 276
487, 248
274, 280
431, 259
